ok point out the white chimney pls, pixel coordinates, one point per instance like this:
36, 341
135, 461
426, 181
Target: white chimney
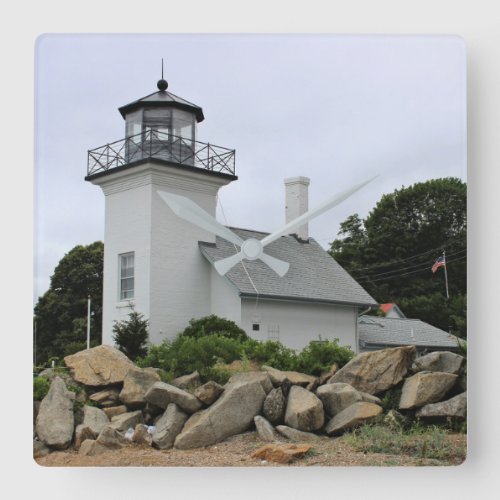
297, 202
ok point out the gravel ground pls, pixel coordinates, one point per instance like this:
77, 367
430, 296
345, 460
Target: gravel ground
236, 452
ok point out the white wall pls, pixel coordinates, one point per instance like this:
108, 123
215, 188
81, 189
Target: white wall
301, 322
172, 279
225, 299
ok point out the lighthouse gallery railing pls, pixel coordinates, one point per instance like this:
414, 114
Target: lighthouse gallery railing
153, 144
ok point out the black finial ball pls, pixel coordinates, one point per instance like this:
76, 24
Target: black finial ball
162, 84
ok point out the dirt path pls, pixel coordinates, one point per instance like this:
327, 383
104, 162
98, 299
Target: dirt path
236, 452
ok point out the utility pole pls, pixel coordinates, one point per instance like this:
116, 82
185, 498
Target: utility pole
88, 322
446, 274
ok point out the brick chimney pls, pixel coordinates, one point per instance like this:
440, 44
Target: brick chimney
297, 202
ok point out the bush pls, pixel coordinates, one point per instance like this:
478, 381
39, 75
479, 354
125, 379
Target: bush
271, 353
41, 387
210, 325
187, 354
318, 357
131, 336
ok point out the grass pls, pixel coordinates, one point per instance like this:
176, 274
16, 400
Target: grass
420, 442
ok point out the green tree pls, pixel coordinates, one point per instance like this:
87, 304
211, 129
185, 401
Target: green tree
61, 313
131, 336
391, 252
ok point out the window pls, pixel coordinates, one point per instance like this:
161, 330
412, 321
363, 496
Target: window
255, 327
127, 276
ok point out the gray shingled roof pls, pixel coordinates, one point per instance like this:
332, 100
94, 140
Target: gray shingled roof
377, 331
313, 275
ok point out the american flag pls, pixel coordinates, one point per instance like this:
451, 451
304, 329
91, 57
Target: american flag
440, 262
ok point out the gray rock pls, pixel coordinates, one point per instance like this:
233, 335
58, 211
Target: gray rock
141, 435
439, 361
125, 421
265, 430
275, 406
39, 449
337, 397
376, 371
161, 394
168, 426
231, 414
113, 411
209, 393
296, 435
262, 377
94, 421
111, 438
55, 420
455, 408
352, 416
424, 388
91, 448
187, 381
136, 383
106, 398
100, 366
304, 411
369, 398
295, 378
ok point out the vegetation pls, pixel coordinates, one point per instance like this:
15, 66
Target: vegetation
41, 387
61, 313
131, 336
419, 441
209, 353
391, 252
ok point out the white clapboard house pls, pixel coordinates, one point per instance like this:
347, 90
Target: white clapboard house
163, 265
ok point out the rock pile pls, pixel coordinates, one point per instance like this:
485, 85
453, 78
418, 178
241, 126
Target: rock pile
127, 405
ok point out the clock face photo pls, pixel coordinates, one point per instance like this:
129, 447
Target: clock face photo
250, 250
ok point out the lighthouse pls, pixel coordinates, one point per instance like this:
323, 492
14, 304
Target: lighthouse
152, 259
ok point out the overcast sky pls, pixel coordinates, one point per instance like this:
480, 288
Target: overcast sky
336, 109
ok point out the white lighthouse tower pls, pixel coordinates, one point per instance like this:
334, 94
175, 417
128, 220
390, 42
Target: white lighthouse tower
151, 256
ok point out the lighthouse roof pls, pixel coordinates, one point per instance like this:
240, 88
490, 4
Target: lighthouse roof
163, 98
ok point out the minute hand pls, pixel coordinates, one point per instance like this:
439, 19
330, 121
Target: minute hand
299, 221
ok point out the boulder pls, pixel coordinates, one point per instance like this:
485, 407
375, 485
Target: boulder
126, 421
39, 449
295, 378
264, 429
141, 435
352, 416
161, 394
100, 366
94, 421
325, 377
376, 371
275, 406
369, 398
231, 414
281, 453
111, 438
209, 392
113, 411
168, 426
262, 377
337, 397
187, 381
295, 435
424, 388
106, 398
90, 448
136, 383
55, 419
304, 411
452, 408
439, 361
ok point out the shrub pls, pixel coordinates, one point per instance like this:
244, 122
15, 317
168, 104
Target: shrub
271, 353
41, 387
210, 325
131, 336
187, 354
318, 357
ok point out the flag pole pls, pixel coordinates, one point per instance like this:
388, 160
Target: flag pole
446, 275
88, 322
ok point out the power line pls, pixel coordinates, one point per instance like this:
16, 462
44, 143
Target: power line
405, 268
426, 268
